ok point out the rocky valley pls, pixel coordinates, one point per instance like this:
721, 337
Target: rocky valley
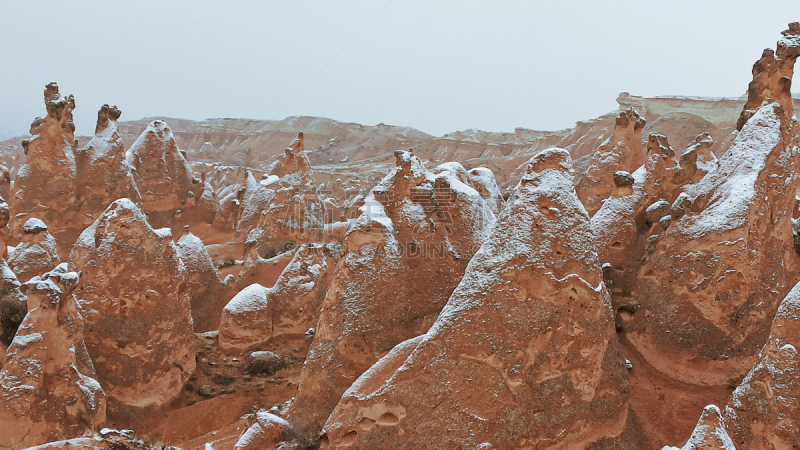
632, 282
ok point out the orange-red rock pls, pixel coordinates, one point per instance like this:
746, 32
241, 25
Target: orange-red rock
622, 151
523, 355
45, 186
135, 302
47, 385
258, 314
36, 254
402, 258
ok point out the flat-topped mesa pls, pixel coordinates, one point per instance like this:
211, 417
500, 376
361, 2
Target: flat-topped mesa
294, 214
136, 306
103, 175
47, 384
402, 258
641, 206
622, 151
45, 185
528, 330
163, 176
772, 76
36, 254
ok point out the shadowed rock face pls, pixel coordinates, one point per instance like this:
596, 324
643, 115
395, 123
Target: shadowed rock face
294, 214
47, 385
622, 151
13, 307
136, 306
45, 186
524, 353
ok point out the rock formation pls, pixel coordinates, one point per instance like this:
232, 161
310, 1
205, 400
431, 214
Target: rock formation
622, 151
102, 171
693, 287
772, 75
528, 331
401, 260
764, 410
641, 206
13, 307
135, 302
295, 213
163, 176
208, 294
258, 314
45, 186
37, 252
48, 385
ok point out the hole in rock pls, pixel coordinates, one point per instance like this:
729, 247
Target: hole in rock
388, 419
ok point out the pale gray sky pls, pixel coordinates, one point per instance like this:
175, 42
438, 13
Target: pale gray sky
438, 66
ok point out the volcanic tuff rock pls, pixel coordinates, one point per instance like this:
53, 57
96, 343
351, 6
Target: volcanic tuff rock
162, 174
401, 260
295, 212
13, 307
258, 314
695, 286
633, 213
764, 410
48, 385
102, 171
621, 151
45, 186
772, 75
527, 331
37, 252
208, 294
135, 301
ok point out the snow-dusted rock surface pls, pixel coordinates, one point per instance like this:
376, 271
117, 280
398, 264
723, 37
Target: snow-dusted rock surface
135, 301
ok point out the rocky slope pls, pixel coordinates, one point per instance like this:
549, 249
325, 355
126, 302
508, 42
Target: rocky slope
226, 284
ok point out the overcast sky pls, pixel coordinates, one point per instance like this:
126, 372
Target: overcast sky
438, 66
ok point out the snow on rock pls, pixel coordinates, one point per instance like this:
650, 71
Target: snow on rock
294, 212
46, 186
206, 290
528, 330
712, 281
135, 301
622, 151
47, 385
103, 173
709, 434
484, 182
631, 216
764, 410
401, 259
36, 254
162, 174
